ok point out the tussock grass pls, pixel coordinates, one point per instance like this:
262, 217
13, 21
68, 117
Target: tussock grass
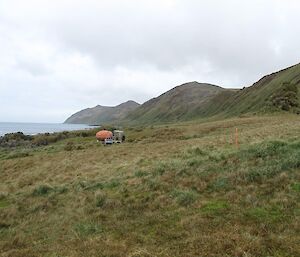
42, 190
201, 196
87, 229
184, 198
100, 199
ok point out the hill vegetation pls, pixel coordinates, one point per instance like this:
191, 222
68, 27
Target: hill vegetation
275, 92
102, 114
191, 187
179, 190
176, 104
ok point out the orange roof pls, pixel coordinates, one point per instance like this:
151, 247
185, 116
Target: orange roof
104, 134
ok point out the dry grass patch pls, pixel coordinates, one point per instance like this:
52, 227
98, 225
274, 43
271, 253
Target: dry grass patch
187, 192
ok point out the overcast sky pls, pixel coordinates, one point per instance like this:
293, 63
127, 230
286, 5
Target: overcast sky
60, 56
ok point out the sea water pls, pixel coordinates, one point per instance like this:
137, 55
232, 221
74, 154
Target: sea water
36, 128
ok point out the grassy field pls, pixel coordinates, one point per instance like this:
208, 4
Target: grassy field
174, 190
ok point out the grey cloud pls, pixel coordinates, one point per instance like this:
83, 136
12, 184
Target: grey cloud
75, 54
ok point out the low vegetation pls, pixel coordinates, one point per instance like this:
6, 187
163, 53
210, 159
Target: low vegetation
185, 189
277, 92
286, 98
15, 140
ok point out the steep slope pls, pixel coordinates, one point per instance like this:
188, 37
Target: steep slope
274, 92
102, 114
277, 91
176, 104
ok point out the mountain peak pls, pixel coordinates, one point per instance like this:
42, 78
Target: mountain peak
129, 103
102, 114
175, 103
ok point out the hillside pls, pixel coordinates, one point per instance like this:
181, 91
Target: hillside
275, 92
176, 104
102, 114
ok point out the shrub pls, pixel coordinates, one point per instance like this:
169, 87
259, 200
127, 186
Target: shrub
83, 134
286, 98
15, 139
196, 151
194, 162
61, 189
219, 184
112, 184
254, 176
3, 226
153, 184
140, 174
100, 199
185, 198
87, 229
16, 155
40, 140
42, 190
160, 169
94, 186
3, 195
79, 147
69, 146
263, 150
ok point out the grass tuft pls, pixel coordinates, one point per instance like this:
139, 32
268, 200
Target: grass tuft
184, 197
140, 174
42, 190
220, 184
215, 208
87, 229
100, 199
296, 187
264, 215
4, 203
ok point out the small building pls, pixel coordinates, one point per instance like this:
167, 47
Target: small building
119, 136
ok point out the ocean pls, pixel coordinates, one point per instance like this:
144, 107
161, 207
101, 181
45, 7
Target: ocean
36, 128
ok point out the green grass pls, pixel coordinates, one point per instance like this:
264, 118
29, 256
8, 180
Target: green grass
42, 190
201, 196
264, 215
296, 187
4, 203
184, 198
85, 230
215, 207
100, 199
274, 93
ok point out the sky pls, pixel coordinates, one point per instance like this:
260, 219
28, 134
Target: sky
60, 56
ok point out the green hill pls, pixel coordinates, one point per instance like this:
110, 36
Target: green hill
102, 114
275, 92
176, 104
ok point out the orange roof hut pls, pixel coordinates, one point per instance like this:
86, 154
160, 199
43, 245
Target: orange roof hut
104, 134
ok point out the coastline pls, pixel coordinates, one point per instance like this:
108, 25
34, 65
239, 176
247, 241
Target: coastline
39, 128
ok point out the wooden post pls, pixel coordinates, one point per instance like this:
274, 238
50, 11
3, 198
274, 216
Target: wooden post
237, 137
